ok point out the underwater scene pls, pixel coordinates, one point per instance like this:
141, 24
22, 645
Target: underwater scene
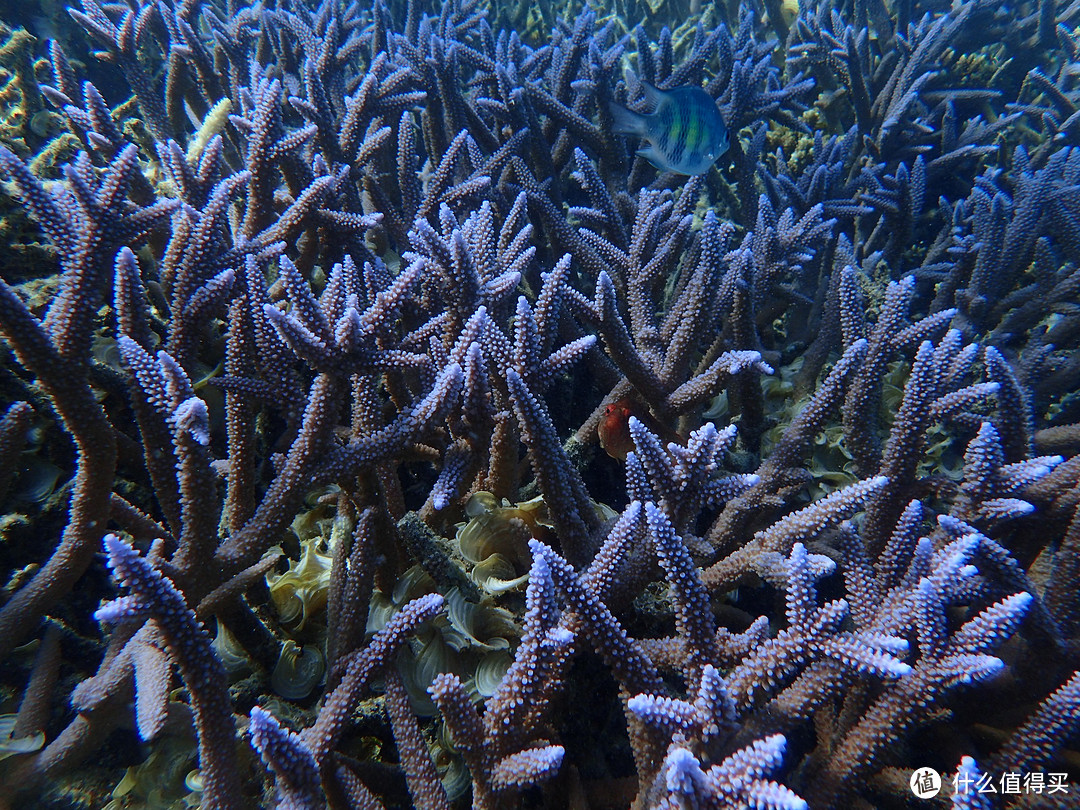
495, 404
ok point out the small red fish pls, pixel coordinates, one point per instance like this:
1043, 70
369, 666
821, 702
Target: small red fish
614, 427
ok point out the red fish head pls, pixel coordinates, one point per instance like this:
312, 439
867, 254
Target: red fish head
614, 429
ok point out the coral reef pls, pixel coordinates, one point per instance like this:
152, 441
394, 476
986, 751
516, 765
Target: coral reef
381, 430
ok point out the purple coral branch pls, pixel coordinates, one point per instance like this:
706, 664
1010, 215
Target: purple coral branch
154, 596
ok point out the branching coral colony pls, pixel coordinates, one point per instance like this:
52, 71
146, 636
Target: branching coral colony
292, 289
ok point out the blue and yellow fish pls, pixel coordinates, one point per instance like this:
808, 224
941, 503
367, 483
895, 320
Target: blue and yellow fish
685, 131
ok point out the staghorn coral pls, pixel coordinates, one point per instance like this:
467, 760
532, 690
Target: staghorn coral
355, 284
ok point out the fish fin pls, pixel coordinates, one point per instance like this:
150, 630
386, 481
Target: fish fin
653, 95
654, 156
626, 122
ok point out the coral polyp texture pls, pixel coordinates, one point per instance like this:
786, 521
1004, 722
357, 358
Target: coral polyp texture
381, 428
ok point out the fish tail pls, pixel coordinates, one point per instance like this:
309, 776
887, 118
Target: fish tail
626, 122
